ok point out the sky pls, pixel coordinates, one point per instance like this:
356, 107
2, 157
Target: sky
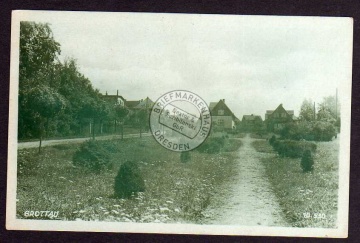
253, 62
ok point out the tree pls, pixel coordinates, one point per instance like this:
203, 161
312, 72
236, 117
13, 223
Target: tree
329, 110
44, 103
121, 113
38, 49
307, 111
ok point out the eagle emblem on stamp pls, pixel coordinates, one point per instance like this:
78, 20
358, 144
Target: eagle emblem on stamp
180, 120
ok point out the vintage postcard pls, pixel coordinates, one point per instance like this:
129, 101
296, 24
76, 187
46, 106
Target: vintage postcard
179, 123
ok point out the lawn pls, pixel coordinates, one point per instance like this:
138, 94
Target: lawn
307, 199
175, 191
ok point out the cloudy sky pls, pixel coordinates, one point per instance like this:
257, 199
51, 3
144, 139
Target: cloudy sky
254, 63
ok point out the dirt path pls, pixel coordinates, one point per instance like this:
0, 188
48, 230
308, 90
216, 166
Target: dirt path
45, 143
249, 199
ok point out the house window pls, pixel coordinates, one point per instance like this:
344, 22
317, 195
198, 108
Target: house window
221, 122
283, 114
220, 112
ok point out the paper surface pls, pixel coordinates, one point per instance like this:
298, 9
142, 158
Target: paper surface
268, 154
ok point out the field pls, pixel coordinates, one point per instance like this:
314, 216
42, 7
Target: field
175, 191
307, 199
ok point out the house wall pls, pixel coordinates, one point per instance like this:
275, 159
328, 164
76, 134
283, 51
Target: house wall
228, 122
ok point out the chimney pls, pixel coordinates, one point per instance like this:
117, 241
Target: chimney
117, 92
223, 100
105, 92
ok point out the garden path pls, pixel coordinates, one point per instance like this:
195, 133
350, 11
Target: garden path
248, 200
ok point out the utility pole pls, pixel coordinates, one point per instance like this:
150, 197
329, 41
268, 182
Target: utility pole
336, 115
314, 112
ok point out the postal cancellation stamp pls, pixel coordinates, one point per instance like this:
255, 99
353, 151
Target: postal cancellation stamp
180, 120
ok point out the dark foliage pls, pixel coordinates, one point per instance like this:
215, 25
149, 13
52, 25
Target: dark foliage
185, 156
311, 131
293, 149
212, 145
128, 180
92, 155
307, 161
272, 140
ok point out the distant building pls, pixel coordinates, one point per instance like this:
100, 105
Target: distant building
251, 123
146, 103
276, 119
114, 99
222, 117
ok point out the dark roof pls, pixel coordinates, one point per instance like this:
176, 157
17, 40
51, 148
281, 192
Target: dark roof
131, 103
251, 117
221, 105
139, 104
112, 96
290, 112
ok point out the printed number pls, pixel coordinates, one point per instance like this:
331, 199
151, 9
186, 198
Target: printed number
315, 215
319, 216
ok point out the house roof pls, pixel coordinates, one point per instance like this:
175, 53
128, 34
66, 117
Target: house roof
131, 103
221, 105
106, 96
145, 103
139, 104
290, 112
251, 117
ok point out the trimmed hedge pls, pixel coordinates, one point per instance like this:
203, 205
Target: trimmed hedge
293, 149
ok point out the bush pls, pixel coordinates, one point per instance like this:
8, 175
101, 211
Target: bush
323, 131
293, 149
185, 156
212, 145
272, 140
128, 180
92, 155
311, 131
307, 161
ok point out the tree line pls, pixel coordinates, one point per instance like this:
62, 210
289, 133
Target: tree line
55, 98
321, 124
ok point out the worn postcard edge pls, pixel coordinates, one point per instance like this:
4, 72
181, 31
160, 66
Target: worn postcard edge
12, 223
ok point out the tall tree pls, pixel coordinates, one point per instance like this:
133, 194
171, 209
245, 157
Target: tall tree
38, 48
307, 111
329, 110
44, 103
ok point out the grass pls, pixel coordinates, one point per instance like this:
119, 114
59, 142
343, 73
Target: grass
303, 194
175, 191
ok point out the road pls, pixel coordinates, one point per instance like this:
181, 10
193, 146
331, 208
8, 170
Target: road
248, 200
45, 143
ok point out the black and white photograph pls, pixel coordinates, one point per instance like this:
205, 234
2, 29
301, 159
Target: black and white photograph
179, 123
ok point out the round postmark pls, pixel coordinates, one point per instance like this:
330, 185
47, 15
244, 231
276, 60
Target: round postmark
180, 120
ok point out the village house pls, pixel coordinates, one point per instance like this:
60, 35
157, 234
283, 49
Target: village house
251, 123
134, 105
222, 117
114, 99
276, 119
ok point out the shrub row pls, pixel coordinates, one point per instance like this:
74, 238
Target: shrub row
291, 148
311, 131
